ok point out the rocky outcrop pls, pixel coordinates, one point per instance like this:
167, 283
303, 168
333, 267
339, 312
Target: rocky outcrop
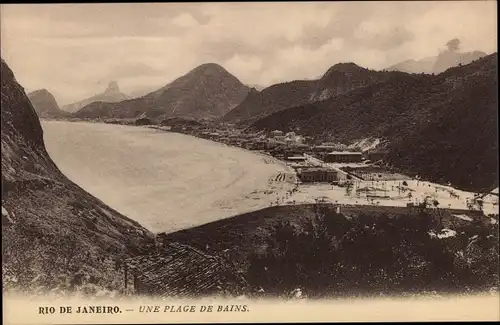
45, 104
112, 94
54, 227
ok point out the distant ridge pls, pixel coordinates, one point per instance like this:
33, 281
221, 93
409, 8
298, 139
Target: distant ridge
112, 94
339, 79
206, 92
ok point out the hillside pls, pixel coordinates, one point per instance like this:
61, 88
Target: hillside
432, 122
361, 251
45, 104
206, 92
52, 230
271, 99
112, 94
339, 79
448, 59
424, 65
451, 57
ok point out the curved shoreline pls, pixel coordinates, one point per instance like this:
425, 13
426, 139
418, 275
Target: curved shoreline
136, 172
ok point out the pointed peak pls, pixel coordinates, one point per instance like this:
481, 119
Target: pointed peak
112, 87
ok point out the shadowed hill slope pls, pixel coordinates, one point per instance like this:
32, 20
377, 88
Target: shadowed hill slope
339, 79
206, 92
50, 226
432, 122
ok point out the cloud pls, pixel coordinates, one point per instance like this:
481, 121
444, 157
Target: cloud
68, 48
185, 20
133, 70
453, 45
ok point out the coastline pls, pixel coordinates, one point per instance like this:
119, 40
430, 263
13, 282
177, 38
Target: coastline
146, 183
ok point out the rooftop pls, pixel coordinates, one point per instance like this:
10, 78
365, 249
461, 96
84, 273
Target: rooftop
318, 169
344, 153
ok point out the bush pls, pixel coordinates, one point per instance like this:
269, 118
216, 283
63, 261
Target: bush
331, 255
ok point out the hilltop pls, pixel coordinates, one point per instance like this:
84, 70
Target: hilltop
45, 104
339, 79
432, 122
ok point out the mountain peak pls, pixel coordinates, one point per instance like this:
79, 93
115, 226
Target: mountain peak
112, 87
44, 103
348, 67
112, 94
210, 68
42, 91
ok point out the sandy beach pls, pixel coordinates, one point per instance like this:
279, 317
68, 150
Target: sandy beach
166, 181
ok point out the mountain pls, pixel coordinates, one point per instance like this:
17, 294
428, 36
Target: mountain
112, 94
339, 79
425, 65
257, 87
442, 127
45, 104
206, 92
52, 230
437, 64
271, 99
448, 59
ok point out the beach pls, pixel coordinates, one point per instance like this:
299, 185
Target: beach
166, 181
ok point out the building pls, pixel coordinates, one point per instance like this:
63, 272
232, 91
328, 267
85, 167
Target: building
276, 133
143, 121
316, 174
375, 155
324, 148
299, 147
294, 151
260, 145
280, 138
343, 157
295, 158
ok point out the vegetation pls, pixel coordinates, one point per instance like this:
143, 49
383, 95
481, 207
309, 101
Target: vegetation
53, 232
362, 250
335, 256
65, 267
443, 127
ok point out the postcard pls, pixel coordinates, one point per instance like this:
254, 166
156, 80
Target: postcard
249, 162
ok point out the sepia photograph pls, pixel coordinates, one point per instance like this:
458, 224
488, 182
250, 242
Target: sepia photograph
249, 161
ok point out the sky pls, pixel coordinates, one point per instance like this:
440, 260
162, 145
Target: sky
74, 50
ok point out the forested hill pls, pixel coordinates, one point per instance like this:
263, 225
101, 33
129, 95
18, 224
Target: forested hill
339, 79
443, 127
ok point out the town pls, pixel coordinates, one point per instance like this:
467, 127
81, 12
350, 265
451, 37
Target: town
332, 172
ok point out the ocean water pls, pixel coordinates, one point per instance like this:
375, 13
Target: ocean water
166, 181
